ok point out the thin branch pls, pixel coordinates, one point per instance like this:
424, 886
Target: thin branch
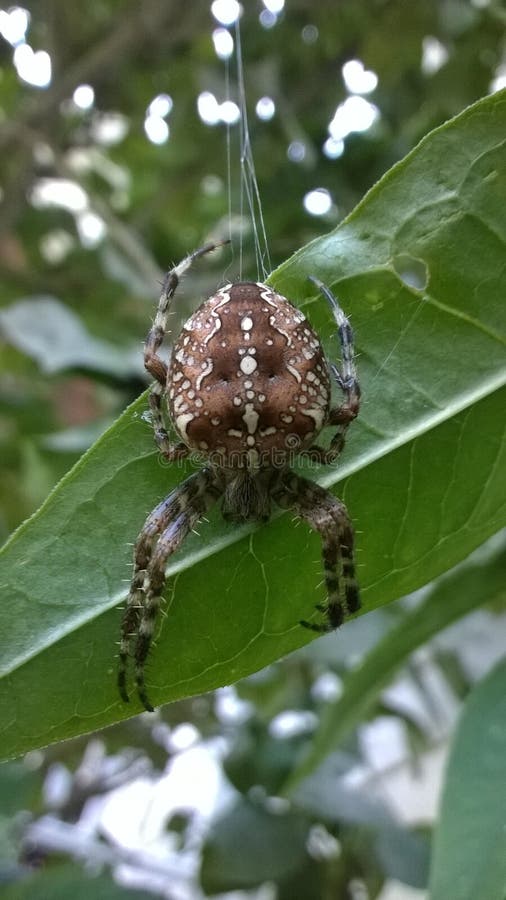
144, 23
151, 22
50, 835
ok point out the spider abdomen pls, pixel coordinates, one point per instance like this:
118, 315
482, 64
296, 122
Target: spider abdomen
248, 382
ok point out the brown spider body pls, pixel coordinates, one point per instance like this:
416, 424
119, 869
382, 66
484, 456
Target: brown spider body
248, 381
248, 387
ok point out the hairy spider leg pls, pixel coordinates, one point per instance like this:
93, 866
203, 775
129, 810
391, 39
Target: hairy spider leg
163, 533
346, 379
156, 522
153, 362
203, 494
328, 516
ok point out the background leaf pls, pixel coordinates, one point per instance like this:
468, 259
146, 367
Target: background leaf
425, 462
44, 328
59, 882
247, 846
470, 843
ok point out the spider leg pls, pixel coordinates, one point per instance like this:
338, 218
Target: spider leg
169, 541
156, 522
154, 363
328, 516
163, 534
346, 379
169, 450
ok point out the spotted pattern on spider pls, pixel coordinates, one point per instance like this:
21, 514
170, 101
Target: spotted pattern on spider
248, 387
248, 378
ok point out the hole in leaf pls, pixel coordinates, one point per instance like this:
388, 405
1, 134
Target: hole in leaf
412, 271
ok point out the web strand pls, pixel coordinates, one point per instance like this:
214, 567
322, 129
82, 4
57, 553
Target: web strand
229, 154
249, 192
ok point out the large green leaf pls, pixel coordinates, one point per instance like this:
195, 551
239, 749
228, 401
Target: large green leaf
424, 466
470, 844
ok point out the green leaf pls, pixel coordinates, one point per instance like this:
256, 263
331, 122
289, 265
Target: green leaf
45, 329
62, 881
423, 470
470, 843
248, 845
470, 585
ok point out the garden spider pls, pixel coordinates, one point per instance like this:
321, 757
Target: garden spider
248, 387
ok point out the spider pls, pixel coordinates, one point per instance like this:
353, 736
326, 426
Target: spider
248, 387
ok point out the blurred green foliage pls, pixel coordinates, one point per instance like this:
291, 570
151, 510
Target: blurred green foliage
157, 202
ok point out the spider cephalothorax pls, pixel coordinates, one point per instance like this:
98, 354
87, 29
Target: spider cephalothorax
248, 387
